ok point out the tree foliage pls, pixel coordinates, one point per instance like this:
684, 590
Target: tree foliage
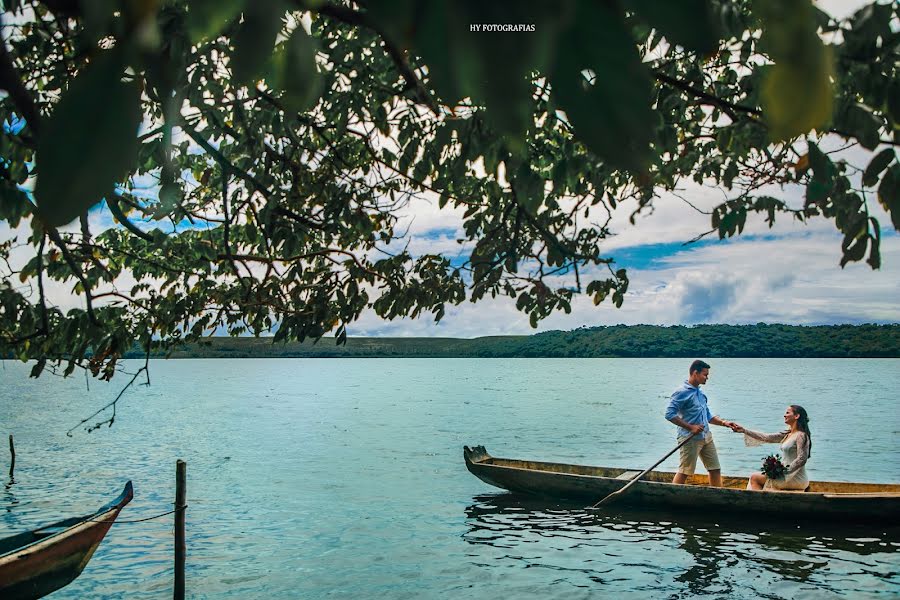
617, 341
255, 155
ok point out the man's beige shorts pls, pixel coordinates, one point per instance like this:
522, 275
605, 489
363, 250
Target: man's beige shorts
705, 449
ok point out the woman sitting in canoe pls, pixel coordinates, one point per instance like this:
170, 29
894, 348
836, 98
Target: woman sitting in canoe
796, 444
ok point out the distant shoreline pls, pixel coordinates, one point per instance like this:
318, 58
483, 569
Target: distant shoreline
619, 341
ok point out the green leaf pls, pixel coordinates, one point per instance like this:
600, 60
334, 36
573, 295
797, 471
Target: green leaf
878, 164
529, 188
255, 39
38, 368
689, 23
863, 124
855, 250
822, 167
560, 176
889, 194
14, 204
874, 259
407, 157
395, 18
611, 115
817, 191
87, 148
443, 136
96, 16
797, 94
170, 195
433, 40
492, 157
207, 18
294, 72
522, 301
893, 102
868, 24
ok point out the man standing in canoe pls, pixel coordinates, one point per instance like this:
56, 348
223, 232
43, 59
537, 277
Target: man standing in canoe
689, 410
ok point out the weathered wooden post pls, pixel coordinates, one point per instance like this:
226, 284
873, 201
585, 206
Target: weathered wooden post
180, 506
12, 452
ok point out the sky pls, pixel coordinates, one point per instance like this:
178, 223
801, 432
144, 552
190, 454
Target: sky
786, 274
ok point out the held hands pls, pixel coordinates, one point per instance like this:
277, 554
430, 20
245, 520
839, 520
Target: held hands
736, 428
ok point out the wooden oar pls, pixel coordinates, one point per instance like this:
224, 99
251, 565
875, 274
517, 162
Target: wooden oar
640, 475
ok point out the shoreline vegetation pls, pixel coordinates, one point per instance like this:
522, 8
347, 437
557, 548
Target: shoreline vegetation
618, 341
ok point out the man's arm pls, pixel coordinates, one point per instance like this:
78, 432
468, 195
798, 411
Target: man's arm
673, 414
692, 427
717, 420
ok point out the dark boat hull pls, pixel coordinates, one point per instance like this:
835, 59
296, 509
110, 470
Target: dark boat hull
831, 501
36, 563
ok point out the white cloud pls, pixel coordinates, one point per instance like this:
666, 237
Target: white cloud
422, 215
793, 280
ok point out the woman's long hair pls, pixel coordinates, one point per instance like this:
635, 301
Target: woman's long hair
803, 424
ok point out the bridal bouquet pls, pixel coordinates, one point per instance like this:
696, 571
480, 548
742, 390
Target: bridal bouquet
773, 468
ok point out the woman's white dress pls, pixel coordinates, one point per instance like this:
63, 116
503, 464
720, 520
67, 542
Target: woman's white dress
794, 453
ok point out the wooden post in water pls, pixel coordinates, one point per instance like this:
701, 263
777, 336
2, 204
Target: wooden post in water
12, 452
180, 506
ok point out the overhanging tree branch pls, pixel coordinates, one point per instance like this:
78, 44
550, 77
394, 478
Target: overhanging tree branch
728, 108
54, 236
113, 203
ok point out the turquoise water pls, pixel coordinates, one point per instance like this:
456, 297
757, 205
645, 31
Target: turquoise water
344, 478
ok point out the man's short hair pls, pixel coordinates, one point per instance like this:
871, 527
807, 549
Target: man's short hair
698, 365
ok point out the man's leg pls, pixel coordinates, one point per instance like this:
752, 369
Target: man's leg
687, 462
710, 458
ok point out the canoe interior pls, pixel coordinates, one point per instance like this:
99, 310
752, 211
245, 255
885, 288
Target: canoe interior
27, 538
828, 487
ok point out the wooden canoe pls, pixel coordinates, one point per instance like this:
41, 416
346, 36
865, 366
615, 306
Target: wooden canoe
823, 500
35, 563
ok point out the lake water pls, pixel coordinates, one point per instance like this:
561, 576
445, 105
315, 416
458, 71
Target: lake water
344, 478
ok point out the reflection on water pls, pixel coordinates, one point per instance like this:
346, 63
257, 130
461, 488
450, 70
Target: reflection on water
631, 552
8, 500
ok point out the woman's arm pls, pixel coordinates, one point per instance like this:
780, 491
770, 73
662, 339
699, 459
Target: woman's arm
755, 438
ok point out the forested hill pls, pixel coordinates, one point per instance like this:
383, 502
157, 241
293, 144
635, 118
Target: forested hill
699, 341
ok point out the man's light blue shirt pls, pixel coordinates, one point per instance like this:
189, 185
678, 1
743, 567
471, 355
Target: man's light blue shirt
689, 402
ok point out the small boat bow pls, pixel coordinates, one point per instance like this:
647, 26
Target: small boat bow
38, 562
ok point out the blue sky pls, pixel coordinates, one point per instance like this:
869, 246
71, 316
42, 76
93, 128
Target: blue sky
789, 273
792, 277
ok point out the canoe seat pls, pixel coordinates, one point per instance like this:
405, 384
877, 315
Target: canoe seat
628, 475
